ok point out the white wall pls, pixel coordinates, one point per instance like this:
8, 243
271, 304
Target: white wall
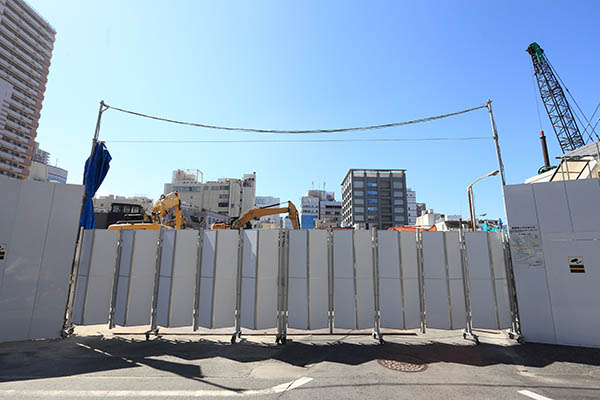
38, 225
549, 223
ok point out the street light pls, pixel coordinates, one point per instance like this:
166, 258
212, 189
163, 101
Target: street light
471, 199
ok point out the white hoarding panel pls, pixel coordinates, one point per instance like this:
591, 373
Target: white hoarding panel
552, 207
436, 290
318, 272
410, 273
573, 265
455, 283
100, 279
298, 272
225, 285
127, 243
59, 247
163, 303
583, 196
482, 293
141, 279
184, 278
266, 288
390, 283
249, 267
343, 285
365, 296
85, 258
207, 273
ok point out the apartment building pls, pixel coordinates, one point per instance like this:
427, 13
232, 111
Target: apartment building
26, 44
374, 198
227, 196
319, 205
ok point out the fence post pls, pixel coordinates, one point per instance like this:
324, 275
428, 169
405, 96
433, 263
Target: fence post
515, 329
68, 319
196, 311
158, 261
468, 332
330, 278
113, 300
377, 309
420, 272
238, 291
282, 288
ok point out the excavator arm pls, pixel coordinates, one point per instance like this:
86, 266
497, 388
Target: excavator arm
163, 205
259, 212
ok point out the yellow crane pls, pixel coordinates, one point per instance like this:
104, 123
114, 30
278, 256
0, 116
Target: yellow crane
160, 215
257, 212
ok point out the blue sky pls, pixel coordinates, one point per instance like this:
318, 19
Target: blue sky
308, 65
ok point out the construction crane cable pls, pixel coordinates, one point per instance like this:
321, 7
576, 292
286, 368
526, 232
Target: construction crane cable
535, 95
432, 139
307, 131
574, 101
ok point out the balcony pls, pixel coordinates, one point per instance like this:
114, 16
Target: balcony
22, 130
6, 155
21, 106
27, 30
4, 164
25, 14
16, 115
11, 38
10, 145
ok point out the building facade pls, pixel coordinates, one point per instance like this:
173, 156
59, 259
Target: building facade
319, 205
411, 202
374, 198
26, 44
227, 196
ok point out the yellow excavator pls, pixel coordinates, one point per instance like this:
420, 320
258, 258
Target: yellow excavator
160, 215
243, 221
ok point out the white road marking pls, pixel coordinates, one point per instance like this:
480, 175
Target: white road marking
533, 395
284, 387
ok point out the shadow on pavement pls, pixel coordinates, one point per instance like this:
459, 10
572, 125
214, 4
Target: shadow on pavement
80, 355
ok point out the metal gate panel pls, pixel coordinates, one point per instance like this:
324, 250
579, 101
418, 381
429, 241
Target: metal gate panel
410, 270
483, 307
167, 253
127, 238
141, 279
207, 274
365, 296
390, 280
100, 275
249, 266
343, 275
318, 272
298, 273
225, 281
267, 279
500, 282
436, 288
184, 278
455, 280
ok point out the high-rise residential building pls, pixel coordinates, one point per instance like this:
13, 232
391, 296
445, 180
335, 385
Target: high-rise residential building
421, 207
411, 202
40, 155
319, 205
227, 196
26, 44
374, 198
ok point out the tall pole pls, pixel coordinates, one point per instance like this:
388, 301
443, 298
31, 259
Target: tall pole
471, 207
498, 155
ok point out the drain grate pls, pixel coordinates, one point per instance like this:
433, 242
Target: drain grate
404, 364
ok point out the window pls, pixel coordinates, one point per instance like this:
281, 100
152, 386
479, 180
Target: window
359, 201
359, 218
398, 194
398, 202
372, 184
397, 185
359, 193
398, 210
372, 193
223, 204
384, 184
358, 184
372, 209
399, 218
372, 201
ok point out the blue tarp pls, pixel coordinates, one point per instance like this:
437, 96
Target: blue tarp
93, 176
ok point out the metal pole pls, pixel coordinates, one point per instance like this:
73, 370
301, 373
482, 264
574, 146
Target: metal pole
471, 208
498, 154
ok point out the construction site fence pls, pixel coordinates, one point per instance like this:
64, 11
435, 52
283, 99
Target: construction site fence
301, 279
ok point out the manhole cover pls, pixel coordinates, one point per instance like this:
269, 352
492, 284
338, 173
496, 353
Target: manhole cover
407, 365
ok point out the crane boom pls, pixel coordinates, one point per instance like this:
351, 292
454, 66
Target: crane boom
554, 99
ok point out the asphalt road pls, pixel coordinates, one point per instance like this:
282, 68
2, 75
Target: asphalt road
307, 367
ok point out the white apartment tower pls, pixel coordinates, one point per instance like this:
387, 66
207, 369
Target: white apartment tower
26, 43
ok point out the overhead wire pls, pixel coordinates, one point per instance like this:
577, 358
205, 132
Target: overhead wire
305, 131
145, 141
